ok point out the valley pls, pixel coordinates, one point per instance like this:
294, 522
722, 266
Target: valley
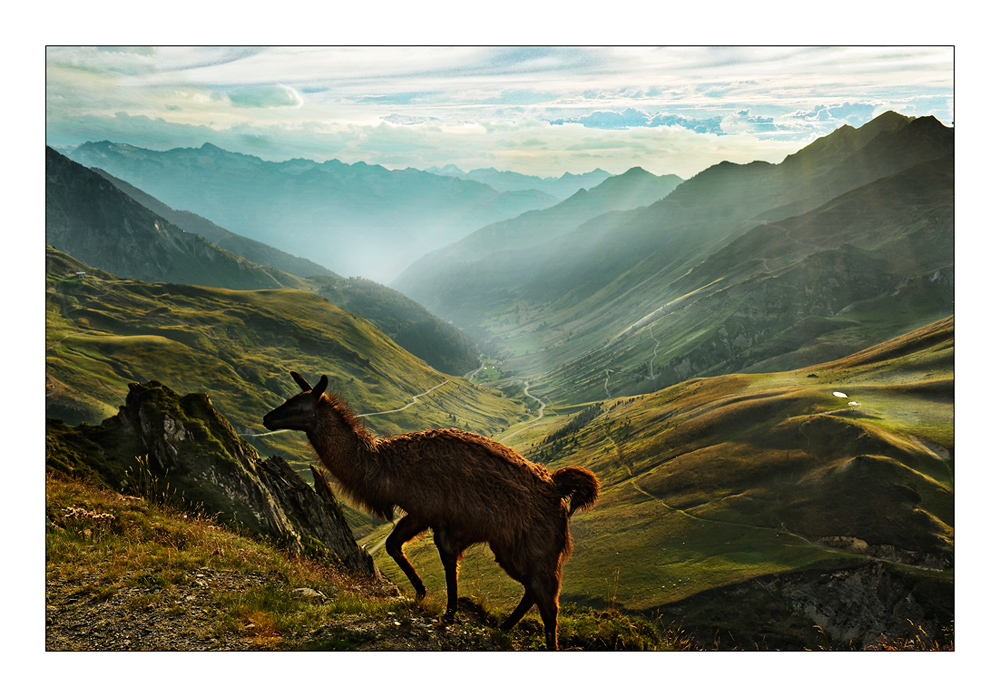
104, 332
757, 362
714, 269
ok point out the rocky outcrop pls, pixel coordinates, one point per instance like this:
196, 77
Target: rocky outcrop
868, 604
163, 444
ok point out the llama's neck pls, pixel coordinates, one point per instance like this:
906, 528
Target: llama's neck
338, 442
347, 451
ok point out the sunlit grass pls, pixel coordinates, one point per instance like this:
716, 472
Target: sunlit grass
104, 543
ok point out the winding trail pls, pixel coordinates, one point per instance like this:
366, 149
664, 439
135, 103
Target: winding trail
413, 401
527, 424
655, 350
472, 374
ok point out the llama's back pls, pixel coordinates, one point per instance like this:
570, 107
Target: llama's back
452, 475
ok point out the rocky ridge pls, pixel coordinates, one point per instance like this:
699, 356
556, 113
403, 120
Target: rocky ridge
161, 443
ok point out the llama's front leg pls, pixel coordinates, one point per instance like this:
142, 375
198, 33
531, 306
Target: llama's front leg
526, 602
406, 529
450, 554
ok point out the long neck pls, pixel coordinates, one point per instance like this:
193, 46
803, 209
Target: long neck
337, 440
347, 451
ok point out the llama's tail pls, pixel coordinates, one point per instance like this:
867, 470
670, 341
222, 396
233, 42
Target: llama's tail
580, 485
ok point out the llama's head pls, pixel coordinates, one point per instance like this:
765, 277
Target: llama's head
299, 412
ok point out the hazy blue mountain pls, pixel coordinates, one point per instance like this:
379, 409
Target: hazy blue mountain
633, 189
244, 246
89, 218
560, 187
357, 219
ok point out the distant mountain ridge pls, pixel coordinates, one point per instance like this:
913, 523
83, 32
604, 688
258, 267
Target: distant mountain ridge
358, 220
91, 219
244, 246
561, 187
633, 189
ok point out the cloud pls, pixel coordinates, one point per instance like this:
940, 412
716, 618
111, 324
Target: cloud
404, 98
634, 118
264, 96
710, 124
522, 96
853, 113
408, 120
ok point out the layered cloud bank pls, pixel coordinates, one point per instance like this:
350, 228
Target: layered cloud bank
533, 109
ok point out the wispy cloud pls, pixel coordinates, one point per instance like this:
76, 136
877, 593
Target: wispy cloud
423, 106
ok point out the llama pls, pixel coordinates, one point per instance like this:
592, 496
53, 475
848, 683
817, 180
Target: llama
467, 488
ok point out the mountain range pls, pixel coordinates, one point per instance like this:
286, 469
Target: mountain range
247, 248
109, 224
692, 284
88, 217
358, 219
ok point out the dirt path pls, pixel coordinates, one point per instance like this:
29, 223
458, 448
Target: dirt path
413, 400
527, 424
470, 376
655, 350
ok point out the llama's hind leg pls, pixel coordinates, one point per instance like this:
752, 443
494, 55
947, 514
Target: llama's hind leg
406, 529
548, 608
546, 592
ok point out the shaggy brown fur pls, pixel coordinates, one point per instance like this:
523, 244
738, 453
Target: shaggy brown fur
467, 488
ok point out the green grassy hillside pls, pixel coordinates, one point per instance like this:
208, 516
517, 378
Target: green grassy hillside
715, 482
104, 332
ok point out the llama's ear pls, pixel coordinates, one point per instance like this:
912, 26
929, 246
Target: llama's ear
320, 387
301, 382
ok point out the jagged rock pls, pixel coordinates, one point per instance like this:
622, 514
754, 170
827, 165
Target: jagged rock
859, 605
164, 444
864, 604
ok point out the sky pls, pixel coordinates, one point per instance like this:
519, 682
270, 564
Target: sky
532, 109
